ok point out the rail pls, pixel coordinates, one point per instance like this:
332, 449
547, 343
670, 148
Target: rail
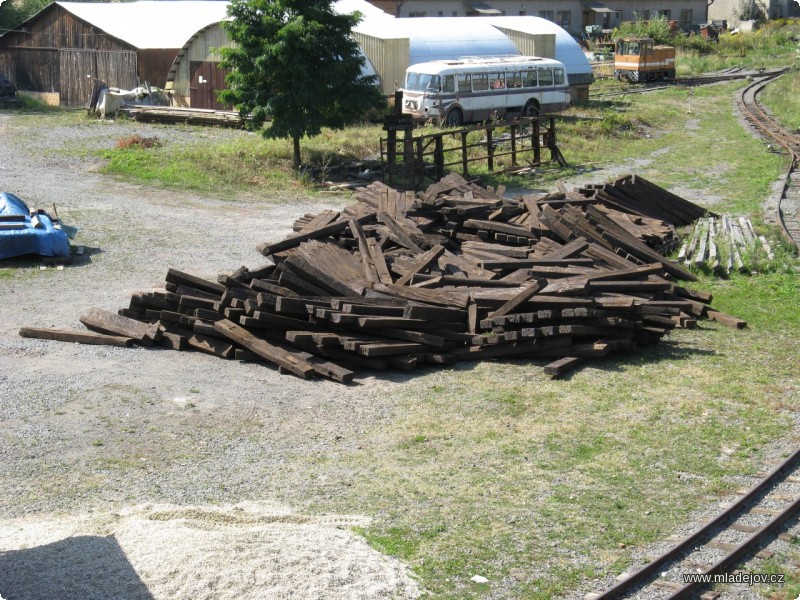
649, 574
768, 127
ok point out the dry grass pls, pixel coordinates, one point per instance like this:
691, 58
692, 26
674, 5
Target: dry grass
137, 141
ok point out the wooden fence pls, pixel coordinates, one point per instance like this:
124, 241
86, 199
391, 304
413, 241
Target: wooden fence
413, 159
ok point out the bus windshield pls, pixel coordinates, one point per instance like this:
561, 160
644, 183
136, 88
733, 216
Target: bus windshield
421, 82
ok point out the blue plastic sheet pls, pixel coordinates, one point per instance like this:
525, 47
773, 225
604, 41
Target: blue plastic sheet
45, 240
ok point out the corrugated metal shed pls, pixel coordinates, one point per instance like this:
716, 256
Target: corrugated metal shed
437, 38
195, 76
567, 49
189, 80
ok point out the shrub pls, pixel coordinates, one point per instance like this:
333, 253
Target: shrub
657, 28
695, 43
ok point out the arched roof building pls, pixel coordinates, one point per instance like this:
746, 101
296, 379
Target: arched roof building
391, 45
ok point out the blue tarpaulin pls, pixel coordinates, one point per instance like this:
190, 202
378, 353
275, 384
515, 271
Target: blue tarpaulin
21, 236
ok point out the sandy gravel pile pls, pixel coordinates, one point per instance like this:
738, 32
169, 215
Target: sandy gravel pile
161, 552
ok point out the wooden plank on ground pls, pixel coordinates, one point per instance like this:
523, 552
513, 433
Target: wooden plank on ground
562, 365
110, 323
422, 262
79, 337
274, 353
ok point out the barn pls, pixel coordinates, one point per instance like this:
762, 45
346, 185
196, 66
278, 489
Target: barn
59, 53
391, 45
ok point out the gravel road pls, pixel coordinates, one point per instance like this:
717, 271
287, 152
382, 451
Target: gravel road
93, 435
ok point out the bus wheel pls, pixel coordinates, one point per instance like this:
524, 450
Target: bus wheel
531, 109
454, 118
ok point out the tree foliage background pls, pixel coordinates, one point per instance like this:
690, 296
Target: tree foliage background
14, 12
295, 68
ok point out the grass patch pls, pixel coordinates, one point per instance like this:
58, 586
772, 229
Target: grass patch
243, 162
617, 456
783, 99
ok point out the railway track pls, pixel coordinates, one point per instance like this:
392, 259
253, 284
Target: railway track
788, 209
735, 535
727, 75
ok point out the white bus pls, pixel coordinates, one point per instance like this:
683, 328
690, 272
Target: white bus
474, 89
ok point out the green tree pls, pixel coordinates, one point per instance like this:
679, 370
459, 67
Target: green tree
750, 10
295, 68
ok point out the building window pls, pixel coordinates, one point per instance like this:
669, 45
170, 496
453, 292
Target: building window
618, 16
441, 13
417, 13
645, 15
546, 14
455, 13
522, 13
667, 14
686, 18
563, 18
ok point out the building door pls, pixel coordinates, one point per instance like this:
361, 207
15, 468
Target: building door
206, 78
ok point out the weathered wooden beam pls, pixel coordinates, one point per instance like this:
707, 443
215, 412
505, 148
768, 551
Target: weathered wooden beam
520, 298
422, 262
562, 366
269, 351
79, 337
110, 323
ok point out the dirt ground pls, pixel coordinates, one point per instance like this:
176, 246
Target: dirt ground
154, 474
132, 473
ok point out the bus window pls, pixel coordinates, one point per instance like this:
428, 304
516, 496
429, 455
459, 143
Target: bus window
497, 80
530, 79
558, 76
545, 77
480, 82
420, 82
464, 83
514, 80
449, 85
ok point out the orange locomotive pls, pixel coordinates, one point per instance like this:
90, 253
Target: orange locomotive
637, 59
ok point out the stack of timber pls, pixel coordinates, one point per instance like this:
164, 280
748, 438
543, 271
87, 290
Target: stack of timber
455, 273
189, 116
722, 245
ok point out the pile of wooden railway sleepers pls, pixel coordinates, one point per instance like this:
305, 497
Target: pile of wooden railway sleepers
457, 272
724, 244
